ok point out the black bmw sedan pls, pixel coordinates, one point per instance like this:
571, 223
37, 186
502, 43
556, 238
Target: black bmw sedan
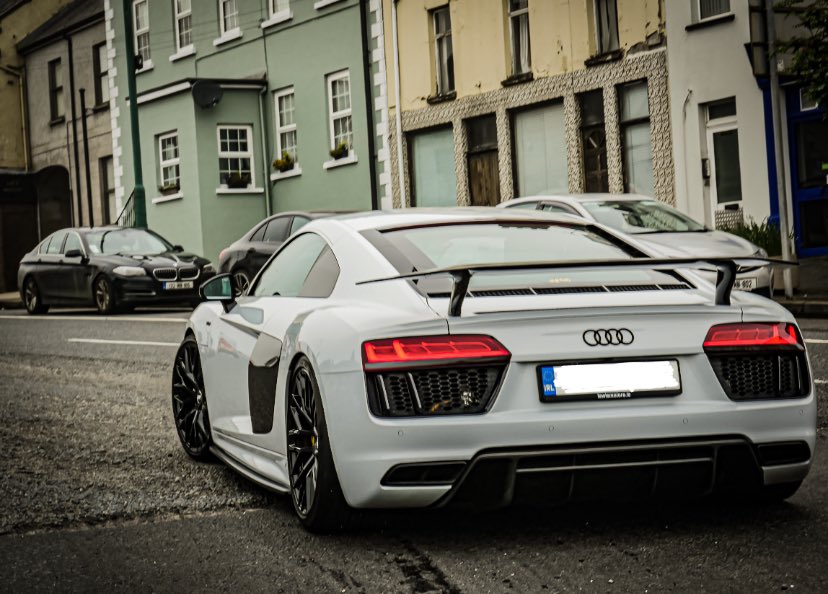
113, 268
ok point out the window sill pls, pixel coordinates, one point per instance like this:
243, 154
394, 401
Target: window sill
184, 52
517, 79
605, 58
228, 37
226, 190
57, 121
168, 198
100, 107
145, 68
323, 3
711, 22
277, 175
279, 17
334, 163
434, 99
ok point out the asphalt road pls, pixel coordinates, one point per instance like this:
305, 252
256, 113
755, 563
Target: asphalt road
96, 494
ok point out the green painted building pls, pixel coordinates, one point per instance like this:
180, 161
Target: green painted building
241, 104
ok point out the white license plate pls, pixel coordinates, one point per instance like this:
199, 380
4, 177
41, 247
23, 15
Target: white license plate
609, 381
745, 284
178, 285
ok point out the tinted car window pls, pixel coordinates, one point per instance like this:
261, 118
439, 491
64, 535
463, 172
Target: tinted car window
641, 216
298, 223
322, 277
277, 230
557, 207
127, 241
285, 274
73, 242
56, 243
259, 234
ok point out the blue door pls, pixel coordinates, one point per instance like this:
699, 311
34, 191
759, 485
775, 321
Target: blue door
808, 136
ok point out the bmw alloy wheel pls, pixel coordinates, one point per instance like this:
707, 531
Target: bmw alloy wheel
192, 421
302, 440
31, 297
104, 298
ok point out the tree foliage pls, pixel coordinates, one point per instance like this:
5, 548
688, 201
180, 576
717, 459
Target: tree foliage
809, 47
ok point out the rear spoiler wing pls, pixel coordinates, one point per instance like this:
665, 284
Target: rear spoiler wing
726, 269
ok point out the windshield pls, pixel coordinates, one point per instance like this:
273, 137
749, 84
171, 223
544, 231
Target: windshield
440, 246
131, 242
641, 216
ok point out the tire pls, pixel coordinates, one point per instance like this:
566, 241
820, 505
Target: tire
104, 295
31, 297
242, 281
189, 402
314, 485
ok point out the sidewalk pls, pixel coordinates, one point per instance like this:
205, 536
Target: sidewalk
806, 305
10, 300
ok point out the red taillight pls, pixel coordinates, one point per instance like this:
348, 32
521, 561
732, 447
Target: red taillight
413, 351
753, 334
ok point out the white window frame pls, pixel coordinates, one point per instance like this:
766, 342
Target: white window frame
147, 65
188, 49
282, 129
333, 116
715, 16
439, 55
514, 15
166, 163
249, 154
228, 34
277, 16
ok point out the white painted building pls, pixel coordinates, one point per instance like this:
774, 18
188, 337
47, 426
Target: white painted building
717, 112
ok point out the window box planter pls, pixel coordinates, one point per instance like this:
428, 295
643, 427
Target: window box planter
169, 189
236, 181
340, 151
286, 163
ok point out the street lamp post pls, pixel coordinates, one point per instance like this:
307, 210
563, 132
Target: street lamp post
139, 197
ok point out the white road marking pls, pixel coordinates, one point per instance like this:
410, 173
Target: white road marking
816, 340
95, 319
128, 342
818, 381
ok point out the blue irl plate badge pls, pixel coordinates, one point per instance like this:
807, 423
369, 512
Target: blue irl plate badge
548, 381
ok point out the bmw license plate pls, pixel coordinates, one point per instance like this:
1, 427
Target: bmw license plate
745, 284
178, 285
608, 381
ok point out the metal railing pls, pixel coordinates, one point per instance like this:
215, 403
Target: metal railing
127, 216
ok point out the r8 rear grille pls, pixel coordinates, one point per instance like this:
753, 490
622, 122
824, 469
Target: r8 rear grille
756, 376
434, 391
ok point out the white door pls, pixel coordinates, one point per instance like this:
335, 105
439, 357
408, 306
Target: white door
724, 168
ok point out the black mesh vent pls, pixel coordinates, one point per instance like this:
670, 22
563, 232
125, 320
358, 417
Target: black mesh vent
568, 290
755, 376
446, 391
628, 288
676, 287
502, 292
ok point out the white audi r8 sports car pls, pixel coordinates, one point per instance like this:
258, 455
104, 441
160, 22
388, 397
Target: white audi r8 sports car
480, 357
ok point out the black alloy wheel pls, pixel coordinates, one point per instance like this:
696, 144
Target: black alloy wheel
241, 283
189, 402
104, 295
31, 297
314, 485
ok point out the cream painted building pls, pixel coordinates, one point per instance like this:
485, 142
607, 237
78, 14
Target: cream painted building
501, 98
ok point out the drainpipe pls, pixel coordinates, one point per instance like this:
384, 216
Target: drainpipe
139, 201
776, 110
369, 102
21, 80
265, 159
74, 128
398, 110
86, 156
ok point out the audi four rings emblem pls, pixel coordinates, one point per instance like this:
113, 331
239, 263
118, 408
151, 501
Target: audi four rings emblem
609, 337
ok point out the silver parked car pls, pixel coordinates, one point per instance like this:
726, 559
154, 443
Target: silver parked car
659, 226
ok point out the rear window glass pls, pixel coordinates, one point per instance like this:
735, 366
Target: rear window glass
641, 216
442, 246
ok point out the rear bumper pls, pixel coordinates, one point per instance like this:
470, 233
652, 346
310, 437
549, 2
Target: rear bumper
366, 448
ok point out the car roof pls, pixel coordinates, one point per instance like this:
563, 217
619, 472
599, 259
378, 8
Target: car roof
588, 197
384, 219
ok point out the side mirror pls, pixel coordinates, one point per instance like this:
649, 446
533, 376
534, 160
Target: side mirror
178, 248
73, 253
219, 288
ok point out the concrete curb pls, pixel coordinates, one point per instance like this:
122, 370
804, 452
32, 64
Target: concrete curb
10, 301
